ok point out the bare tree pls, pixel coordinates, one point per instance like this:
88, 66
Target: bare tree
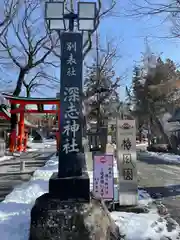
23, 46
100, 82
37, 81
146, 7
169, 10
41, 78
8, 9
101, 86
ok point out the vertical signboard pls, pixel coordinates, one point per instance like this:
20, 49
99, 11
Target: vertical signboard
103, 177
70, 97
126, 162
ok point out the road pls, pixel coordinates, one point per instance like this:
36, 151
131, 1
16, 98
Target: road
10, 174
162, 181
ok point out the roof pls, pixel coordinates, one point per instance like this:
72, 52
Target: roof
31, 100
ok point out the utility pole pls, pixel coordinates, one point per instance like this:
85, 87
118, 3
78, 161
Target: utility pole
98, 80
98, 92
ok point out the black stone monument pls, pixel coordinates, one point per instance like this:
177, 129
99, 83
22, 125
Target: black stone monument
71, 182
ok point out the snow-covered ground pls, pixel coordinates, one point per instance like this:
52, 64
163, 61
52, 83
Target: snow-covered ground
149, 226
4, 158
15, 211
141, 146
45, 144
166, 157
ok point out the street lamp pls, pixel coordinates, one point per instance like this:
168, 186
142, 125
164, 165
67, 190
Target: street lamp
70, 186
71, 182
57, 19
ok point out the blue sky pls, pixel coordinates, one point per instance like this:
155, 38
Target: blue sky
131, 32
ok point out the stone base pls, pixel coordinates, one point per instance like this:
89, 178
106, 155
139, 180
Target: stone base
52, 219
70, 187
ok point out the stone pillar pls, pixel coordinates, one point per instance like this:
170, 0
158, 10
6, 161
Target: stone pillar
70, 182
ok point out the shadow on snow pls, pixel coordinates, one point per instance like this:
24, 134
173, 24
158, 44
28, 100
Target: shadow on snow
163, 192
144, 157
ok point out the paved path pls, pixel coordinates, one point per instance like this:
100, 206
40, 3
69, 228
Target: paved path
162, 181
10, 175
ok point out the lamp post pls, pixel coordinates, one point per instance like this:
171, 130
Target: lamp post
58, 20
70, 182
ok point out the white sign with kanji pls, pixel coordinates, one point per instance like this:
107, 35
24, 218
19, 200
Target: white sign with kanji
103, 177
126, 161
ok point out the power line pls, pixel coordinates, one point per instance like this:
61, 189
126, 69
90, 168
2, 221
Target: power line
42, 93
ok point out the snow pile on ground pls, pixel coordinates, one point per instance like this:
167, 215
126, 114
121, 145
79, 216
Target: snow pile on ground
166, 157
141, 146
149, 226
15, 211
31, 149
4, 158
45, 144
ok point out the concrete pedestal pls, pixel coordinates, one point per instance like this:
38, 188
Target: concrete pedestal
52, 219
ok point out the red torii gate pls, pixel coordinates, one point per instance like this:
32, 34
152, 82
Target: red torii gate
23, 101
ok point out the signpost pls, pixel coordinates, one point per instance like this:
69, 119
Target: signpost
126, 162
103, 177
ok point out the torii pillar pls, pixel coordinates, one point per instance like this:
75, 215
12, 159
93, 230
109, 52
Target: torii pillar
20, 147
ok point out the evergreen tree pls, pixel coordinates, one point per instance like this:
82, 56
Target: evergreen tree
152, 95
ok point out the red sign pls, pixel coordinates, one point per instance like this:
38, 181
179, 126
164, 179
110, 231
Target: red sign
103, 160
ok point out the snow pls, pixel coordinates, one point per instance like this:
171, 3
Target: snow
166, 157
45, 144
4, 158
15, 210
31, 150
145, 144
143, 226
141, 146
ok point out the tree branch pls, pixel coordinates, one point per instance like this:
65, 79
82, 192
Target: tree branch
99, 14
